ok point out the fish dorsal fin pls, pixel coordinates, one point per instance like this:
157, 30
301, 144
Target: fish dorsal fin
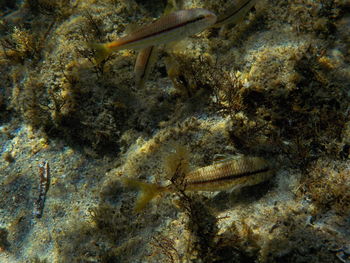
130, 28
224, 157
218, 158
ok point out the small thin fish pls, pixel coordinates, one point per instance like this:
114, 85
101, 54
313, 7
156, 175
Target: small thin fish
44, 184
235, 13
144, 63
228, 174
175, 26
146, 57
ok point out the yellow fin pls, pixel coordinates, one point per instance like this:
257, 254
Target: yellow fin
102, 51
146, 194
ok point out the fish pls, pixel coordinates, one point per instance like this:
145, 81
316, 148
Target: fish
171, 27
228, 174
147, 57
235, 12
144, 62
44, 184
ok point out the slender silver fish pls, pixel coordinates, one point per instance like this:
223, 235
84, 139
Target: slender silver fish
144, 62
44, 174
146, 57
175, 26
235, 12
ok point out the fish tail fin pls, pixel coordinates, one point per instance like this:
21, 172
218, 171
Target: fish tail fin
147, 192
102, 51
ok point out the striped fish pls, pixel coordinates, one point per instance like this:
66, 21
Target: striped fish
146, 57
228, 174
175, 26
144, 62
235, 13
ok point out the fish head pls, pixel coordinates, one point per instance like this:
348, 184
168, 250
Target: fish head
205, 17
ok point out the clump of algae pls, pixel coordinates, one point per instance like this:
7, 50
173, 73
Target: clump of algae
327, 187
112, 235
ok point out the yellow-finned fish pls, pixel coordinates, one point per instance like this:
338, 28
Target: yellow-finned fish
175, 26
147, 56
228, 174
235, 12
